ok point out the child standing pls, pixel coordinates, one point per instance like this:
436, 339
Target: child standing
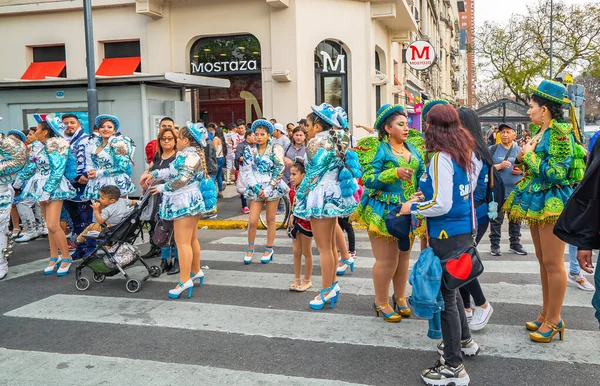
300, 231
109, 210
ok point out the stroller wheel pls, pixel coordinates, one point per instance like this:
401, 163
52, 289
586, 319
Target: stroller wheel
82, 284
154, 271
99, 278
133, 285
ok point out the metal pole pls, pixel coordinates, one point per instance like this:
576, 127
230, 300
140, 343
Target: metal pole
92, 93
551, 21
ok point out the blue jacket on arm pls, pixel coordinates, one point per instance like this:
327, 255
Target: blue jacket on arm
426, 298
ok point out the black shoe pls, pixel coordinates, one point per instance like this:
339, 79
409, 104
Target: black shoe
153, 252
518, 249
495, 251
174, 269
165, 265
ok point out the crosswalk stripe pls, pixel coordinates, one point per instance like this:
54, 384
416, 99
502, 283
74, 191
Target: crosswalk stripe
530, 294
19, 367
25, 269
491, 266
498, 340
360, 245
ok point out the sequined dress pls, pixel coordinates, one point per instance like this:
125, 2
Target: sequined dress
111, 164
264, 172
319, 195
181, 193
13, 156
383, 190
43, 177
551, 170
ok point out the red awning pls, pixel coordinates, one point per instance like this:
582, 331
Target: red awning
40, 70
118, 66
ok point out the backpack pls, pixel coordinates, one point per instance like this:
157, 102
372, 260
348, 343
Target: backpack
71, 168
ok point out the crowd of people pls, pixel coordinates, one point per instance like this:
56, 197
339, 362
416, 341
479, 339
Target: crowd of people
402, 185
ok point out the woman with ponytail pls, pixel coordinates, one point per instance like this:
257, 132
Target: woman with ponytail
187, 192
326, 192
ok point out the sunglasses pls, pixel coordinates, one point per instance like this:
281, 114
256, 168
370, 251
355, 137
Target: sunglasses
167, 139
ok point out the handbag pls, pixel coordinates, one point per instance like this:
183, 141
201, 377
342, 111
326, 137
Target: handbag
463, 265
163, 233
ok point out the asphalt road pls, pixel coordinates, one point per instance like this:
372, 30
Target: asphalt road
243, 327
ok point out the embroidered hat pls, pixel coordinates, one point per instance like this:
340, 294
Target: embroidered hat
429, 104
111, 118
551, 90
264, 124
198, 132
56, 125
342, 118
18, 133
327, 113
385, 111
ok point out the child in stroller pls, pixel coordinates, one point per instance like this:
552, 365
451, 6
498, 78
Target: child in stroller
114, 251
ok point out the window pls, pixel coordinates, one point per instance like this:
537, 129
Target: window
331, 64
377, 88
121, 58
48, 61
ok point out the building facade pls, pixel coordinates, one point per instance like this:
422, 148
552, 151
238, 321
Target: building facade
467, 42
281, 56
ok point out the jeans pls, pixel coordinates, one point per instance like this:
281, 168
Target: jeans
220, 165
165, 252
596, 297
514, 231
473, 288
81, 216
244, 202
346, 226
574, 268
454, 321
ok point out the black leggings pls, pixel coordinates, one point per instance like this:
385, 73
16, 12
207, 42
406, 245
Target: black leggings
346, 226
473, 288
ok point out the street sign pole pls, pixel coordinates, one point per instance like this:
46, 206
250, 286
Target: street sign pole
551, 21
92, 92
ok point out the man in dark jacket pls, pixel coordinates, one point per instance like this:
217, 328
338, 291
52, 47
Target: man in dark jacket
579, 223
249, 140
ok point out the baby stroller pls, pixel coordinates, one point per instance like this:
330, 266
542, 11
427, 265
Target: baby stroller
115, 251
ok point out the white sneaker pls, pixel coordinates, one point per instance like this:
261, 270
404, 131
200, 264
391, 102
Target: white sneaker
481, 317
468, 347
469, 315
26, 236
44, 230
580, 282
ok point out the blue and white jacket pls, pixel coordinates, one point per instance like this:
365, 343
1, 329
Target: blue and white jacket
78, 144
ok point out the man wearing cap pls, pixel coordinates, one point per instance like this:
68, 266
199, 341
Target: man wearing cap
504, 155
302, 123
280, 136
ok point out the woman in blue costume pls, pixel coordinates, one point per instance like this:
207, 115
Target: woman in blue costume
110, 157
553, 163
392, 168
326, 192
13, 156
262, 172
47, 184
187, 192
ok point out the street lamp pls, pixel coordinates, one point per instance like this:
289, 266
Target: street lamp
551, 21
92, 92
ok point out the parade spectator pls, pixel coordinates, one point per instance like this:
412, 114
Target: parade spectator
302, 123
579, 223
301, 232
493, 137
262, 170
12, 160
249, 141
46, 183
167, 149
289, 128
447, 207
478, 316
221, 152
186, 193
392, 169
540, 198
504, 155
273, 121
280, 136
78, 208
110, 160
152, 146
229, 160
294, 151
320, 197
